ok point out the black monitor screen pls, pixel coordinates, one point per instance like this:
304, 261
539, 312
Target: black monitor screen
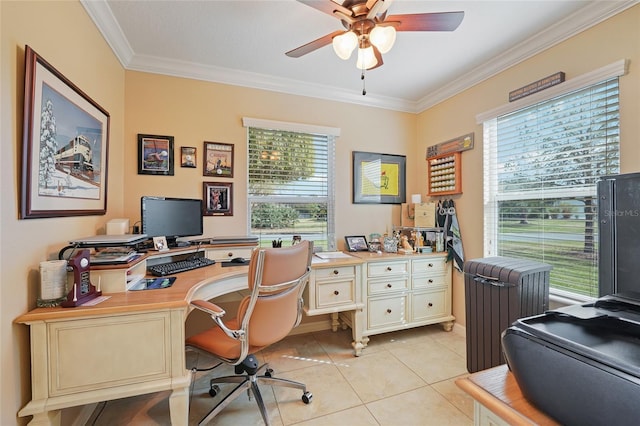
171, 217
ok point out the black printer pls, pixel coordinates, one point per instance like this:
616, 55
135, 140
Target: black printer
580, 364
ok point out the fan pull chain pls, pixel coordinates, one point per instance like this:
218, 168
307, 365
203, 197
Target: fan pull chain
364, 89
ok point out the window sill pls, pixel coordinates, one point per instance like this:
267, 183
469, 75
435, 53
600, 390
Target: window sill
566, 299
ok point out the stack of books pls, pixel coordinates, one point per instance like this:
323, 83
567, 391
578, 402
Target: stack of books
114, 255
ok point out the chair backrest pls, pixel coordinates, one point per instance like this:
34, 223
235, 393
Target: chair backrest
277, 278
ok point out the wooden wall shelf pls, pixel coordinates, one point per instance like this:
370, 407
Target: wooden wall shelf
444, 174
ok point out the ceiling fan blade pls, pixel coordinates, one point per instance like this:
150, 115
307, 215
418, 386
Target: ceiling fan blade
443, 21
377, 7
326, 6
313, 45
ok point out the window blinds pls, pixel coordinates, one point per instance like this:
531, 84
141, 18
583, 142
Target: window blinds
541, 164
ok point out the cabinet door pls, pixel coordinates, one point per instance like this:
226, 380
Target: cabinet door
387, 311
427, 305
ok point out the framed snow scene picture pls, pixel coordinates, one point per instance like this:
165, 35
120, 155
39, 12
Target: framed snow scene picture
65, 146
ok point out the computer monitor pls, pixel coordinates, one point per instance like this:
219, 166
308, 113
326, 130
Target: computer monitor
171, 217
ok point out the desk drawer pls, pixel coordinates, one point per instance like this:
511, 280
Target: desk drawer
435, 265
224, 254
426, 305
387, 312
339, 272
335, 293
384, 269
388, 286
429, 281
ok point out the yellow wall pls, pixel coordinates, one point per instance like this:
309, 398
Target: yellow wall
196, 111
615, 39
63, 34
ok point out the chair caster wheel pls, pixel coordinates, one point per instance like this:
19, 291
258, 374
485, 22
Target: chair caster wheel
214, 390
307, 397
268, 372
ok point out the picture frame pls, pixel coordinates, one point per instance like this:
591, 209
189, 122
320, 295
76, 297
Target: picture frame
188, 157
379, 178
65, 146
160, 243
217, 199
356, 243
218, 159
155, 155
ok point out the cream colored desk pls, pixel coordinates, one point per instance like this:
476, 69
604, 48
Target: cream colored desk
499, 401
130, 344
133, 343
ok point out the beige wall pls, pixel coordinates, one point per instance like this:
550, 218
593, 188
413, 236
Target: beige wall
615, 39
63, 34
196, 111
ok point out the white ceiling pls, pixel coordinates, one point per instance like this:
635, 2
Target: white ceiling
244, 42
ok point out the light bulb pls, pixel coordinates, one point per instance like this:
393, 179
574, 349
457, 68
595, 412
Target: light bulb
344, 44
366, 58
383, 37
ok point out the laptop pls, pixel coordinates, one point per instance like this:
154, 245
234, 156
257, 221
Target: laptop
111, 239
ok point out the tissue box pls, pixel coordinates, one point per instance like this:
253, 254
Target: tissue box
425, 215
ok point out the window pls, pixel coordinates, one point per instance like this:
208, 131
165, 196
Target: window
291, 182
541, 165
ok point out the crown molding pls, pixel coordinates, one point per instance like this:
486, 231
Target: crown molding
584, 19
587, 17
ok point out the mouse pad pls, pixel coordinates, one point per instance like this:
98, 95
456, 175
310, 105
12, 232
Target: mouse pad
229, 263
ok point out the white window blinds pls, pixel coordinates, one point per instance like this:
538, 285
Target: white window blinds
290, 187
541, 164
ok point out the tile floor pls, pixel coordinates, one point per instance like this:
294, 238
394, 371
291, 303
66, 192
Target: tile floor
402, 378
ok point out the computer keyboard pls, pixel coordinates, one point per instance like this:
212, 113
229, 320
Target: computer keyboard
179, 266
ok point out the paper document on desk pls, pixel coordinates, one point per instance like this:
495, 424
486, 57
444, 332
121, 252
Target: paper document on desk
333, 255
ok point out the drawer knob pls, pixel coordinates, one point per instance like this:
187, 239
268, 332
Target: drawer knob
388, 268
430, 265
336, 292
430, 304
230, 254
430, 280
336, 272
389, 285
388, 311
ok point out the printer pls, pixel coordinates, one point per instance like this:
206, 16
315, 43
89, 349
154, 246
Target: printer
580, 364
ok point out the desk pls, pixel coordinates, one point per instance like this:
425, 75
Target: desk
130, 344
499, 401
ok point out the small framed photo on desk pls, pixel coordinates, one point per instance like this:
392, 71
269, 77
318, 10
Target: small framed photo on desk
356, 243
160, 243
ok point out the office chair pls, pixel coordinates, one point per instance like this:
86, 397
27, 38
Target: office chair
277, 277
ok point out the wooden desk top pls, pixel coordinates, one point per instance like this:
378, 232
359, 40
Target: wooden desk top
497, 389
206, 283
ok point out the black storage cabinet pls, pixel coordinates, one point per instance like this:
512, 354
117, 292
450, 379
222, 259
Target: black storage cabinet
498, 291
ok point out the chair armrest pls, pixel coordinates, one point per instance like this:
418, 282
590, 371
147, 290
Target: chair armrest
211, 308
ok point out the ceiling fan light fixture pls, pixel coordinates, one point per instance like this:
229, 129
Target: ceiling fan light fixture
366, 58
383, 37
344, 44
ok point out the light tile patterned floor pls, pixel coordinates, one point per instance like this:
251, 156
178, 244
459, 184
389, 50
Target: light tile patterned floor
403, 378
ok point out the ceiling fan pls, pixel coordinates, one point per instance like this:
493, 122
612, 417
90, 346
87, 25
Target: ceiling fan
370, 29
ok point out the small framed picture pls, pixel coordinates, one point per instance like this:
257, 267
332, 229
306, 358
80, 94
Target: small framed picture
160, 243
217, 198
218, 159
155, 155
188, 157
356, 243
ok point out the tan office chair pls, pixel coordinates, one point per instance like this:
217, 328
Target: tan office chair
277, 277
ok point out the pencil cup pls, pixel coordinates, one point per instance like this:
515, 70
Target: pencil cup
53, 283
